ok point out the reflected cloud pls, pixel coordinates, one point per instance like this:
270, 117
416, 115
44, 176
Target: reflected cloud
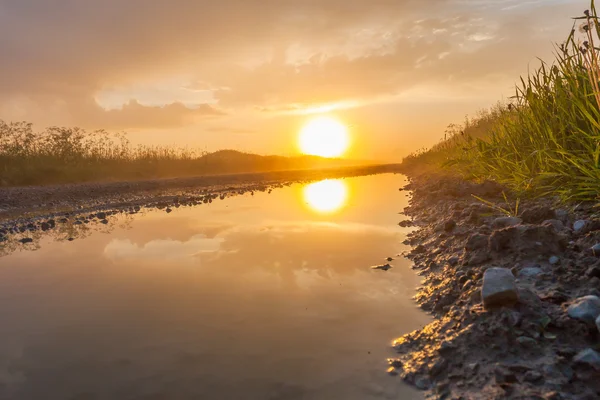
326, 196
118, 249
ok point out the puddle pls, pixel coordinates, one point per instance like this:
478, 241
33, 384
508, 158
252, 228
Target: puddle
264, 296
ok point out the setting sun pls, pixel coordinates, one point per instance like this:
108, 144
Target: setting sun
325, 137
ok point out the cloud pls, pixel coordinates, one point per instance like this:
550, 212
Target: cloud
251, 54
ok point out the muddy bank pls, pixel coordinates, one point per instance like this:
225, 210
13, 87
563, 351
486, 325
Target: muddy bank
18, 201
538, 273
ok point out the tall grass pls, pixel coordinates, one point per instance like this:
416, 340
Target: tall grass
70, 155
546, 140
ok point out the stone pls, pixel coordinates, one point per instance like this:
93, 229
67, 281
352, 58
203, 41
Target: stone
26, 240
554, 223
499, 288
454, 260
530, 272
449, 225
476, 241
505, 222
537, 214
554, 260
579, 226
168, 210
101, 215
585, 309
533, 376
593, 272
45, 226
596, 249
588, 357
598, 323
526, 341
104, 221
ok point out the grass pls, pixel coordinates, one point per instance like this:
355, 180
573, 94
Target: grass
546, 139
59, 155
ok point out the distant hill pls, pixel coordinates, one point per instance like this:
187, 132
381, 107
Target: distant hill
227, 161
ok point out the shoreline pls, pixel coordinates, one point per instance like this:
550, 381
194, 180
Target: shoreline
533, 349
49, 201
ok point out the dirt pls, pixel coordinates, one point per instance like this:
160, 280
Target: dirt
528, 350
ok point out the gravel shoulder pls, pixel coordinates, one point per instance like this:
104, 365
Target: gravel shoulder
516, 299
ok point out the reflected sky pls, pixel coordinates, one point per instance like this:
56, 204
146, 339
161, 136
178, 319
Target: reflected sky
253, 297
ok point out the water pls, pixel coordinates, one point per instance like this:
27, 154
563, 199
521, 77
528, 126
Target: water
255, 297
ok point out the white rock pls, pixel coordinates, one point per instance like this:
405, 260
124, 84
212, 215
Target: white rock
499, 288
586, 309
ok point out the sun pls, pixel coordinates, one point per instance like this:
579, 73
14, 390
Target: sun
325, 137
326, 196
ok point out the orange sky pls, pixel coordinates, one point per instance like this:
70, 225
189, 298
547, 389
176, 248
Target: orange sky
247, 74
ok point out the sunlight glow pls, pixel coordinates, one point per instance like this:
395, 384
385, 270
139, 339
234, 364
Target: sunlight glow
326, 196
325, 137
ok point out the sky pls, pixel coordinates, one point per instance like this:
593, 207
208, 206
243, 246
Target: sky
248, 74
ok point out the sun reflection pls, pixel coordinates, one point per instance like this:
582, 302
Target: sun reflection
326, 196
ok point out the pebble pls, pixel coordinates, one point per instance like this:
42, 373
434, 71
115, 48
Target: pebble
585, 309
526, 341
598, 322
499, 288
555, 223
26, 240
593, 272
578, 226
596, 249
554, 260
588, 357
530, 272
476, 241
505, 222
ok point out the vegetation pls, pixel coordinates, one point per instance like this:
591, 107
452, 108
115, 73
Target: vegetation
546, 140
67, 155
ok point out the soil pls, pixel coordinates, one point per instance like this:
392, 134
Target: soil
523, 351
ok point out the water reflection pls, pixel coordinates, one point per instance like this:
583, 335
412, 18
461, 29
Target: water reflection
252, 298
326, 196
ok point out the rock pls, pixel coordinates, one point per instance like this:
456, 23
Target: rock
499, 288
593, 272
168, 210
598, 322
476, 241
384, 267
554, 260
589, 358
505, 222
449, 225
579, 226
554, 223
422, 383
420, 249
26, 240
45, 226
454, 260
585, 309
526, 341
596, 249
101, 215
533, 376
405, 224
104, 221
530, 272
535, 215
389, 259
